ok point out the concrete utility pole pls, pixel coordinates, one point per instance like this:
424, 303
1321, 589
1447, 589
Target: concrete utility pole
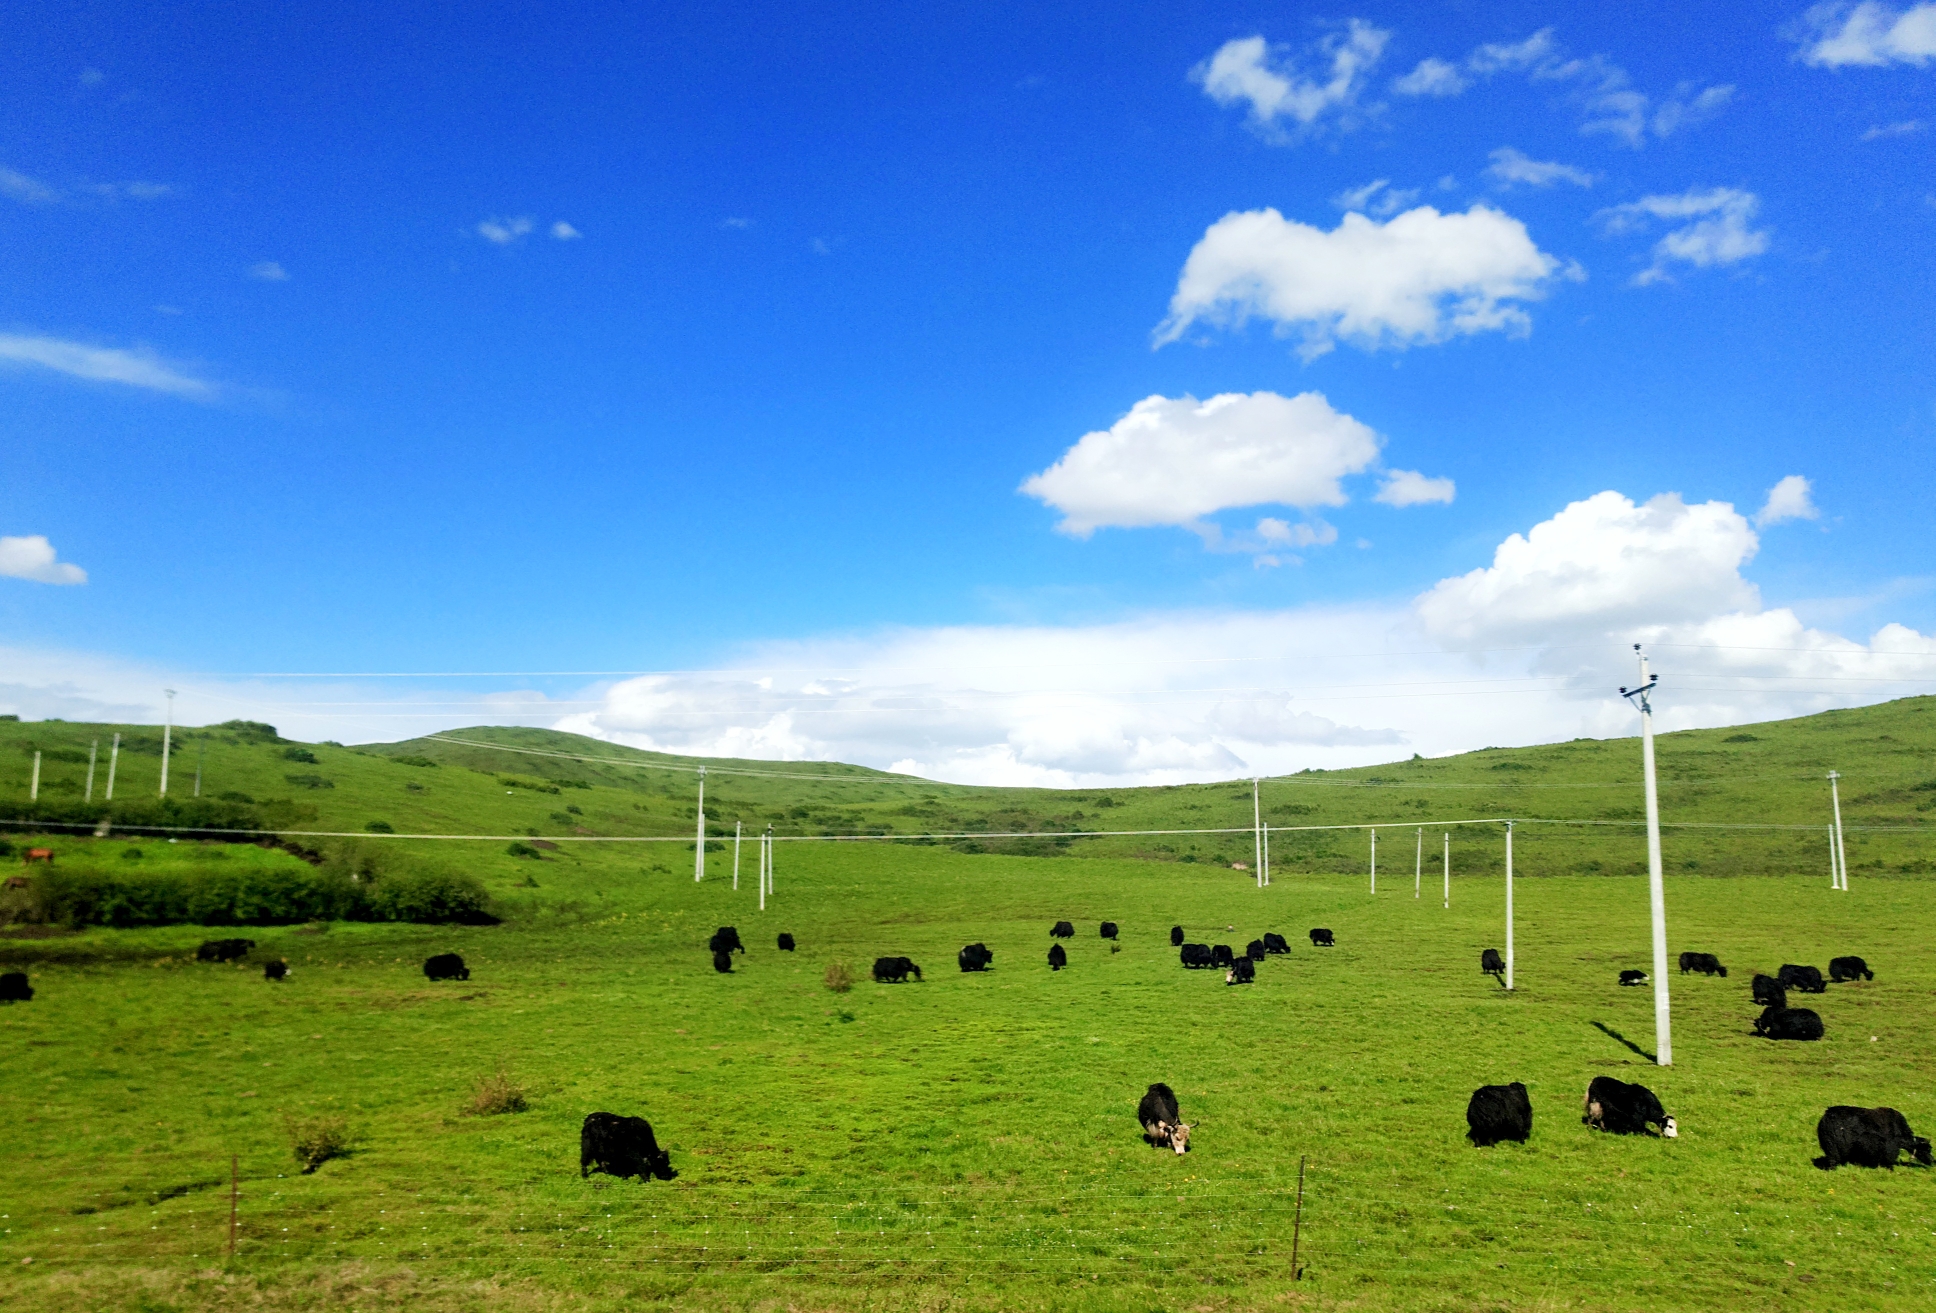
1509, 909
699, 848
93, 750
736, 829
33, 790
1448, 870
167, 729
1267, 853
201, 758
1841, 854
114, 759
1642, 697
1418, 873
1257, 830
1374, 863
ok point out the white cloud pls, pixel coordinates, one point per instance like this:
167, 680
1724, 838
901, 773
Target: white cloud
1510, 166
503, 232
33, 557
137, 368
1432, 77
1719, 235
1601, 89
1378, 199
1410, 488
1905, 128
740, 225
28, 191
1868, 35
269, 271
1248, 72
1787, 500
564, 232
1422, 277
1172, 461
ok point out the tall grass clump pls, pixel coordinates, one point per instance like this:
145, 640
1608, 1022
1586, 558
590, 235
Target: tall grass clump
839, 977
496, 1094
316, 1140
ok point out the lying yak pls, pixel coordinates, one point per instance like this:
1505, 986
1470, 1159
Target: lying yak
1163, 1125
15, 989
1614, 1105
276, 970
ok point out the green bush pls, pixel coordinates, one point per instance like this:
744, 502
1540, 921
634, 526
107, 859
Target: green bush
522, 850
299, 754
414, 761
380, 827
257, 896
310, 781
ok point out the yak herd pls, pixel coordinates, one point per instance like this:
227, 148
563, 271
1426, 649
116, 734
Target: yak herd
1865, 1137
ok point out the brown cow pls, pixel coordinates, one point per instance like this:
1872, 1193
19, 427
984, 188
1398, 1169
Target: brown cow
41, 855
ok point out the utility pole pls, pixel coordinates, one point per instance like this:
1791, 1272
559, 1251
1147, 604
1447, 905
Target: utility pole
1267, 853
1509, 909
1841, 849
201, 758
1374, 863
1448, 870
1257, 830
114, 759
699, 848
736, 829
33, 790
93, 750
1418, 873
167, 728
1642, 697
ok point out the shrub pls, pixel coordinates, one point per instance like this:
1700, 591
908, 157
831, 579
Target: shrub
380, 827
839, 977
131, 854
299, 754
574, 809
316, 1140
249, 729
310, 781
494, 1095
337, 891
414, 761
522, 850
233, 796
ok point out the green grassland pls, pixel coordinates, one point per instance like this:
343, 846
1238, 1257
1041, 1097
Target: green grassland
969, 1141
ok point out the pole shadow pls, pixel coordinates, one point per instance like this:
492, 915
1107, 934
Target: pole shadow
1614, 1034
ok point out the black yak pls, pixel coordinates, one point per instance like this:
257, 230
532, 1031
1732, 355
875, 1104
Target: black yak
1705, 963
1176, 936
1499, 1112
1221, 956
1848, 968
1768, 992
1255, 950
1322, 939
1803, 980
1057, 957
1274, 943
1633, 977
975, 957
1162, 1123
895, 970
1867, 1137
446, 966
15, 989
1788, 1023
1491, 964
722, 962
276, 970
725, 940
1108, 929
621, 1146
785, 942
1195, 955
1614, 1105
1243, 971
1062, 930
223, 950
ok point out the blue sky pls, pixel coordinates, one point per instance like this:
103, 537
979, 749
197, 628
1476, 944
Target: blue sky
590, 338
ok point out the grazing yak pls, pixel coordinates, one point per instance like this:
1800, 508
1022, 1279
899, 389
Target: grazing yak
895, 970
1848, 968
1803, 980
1057, 957
446, 966
1322, 939
975, 957
1243, 971
1705, 963
723, 962
1867, 1137
1788, 1023
1631, 977
1614, 1105
1163, 1125
1176, 936
785, 942
1196, 955
1108, 929
1499, 1112
1062, 930
1768, 992
276, 970
1255, 950
223, 950
1221, 956
621, 1146
1274, 943
15, 989
1491, 964
725, 940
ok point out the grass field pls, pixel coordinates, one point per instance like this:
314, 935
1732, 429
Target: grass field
969, 1141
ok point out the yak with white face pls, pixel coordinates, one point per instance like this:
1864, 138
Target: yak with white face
1163, 1124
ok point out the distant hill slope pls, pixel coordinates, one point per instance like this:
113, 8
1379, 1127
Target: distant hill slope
514, 782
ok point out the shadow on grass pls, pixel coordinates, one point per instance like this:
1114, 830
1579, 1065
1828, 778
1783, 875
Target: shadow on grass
1614, 1034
